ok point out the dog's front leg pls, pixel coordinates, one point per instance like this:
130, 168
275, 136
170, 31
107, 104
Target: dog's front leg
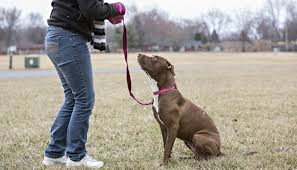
171, 136
162, 126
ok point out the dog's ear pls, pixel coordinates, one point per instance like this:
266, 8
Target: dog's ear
171, 68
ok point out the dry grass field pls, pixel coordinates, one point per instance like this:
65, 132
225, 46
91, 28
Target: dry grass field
251, 97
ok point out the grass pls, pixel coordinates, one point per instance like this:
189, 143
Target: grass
251, 97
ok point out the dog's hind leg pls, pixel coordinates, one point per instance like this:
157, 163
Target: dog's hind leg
206, 145
190, 146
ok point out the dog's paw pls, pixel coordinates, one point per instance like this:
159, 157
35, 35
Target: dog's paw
164, 163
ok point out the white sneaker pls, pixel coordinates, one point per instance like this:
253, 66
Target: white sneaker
87, 161
53, 161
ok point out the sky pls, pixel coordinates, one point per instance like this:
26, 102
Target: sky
189, 9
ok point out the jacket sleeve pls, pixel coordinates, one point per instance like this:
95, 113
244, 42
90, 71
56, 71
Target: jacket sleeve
96, 9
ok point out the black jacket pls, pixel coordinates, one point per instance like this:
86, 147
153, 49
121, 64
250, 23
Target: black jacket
79, 15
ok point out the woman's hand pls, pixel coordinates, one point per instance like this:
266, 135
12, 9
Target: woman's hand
120, 10
116, 20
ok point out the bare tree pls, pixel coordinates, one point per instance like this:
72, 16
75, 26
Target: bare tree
245, 25
291, 20
291, 10
2, 24
153, 27
1, 16
35, 20
195, 30
35, 29
216, 20
138, 25
263, 27
11, 19
276, 12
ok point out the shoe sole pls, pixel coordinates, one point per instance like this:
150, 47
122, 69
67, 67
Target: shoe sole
49, 163
97, 167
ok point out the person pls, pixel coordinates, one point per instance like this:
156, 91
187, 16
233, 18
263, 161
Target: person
70, 28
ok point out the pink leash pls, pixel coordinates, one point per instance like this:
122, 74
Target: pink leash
129, 83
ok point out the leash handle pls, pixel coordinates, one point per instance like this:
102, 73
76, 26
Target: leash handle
129, 82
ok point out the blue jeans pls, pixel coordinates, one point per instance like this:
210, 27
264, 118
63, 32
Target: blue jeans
70, 55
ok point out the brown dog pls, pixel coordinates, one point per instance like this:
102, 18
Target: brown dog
177, 116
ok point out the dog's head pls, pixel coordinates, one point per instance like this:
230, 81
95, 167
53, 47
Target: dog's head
158, 68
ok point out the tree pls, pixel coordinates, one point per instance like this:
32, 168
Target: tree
132, 37
1, 16
139, 30
263, 27
215, 37
291, 9
216, 20
245, 24
291, 20
11, 19
119, 37
200, 37
193, 30
1, 24
154, 27
276, 12
35, 29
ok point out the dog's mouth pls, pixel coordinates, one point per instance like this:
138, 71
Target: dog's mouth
143, 68
141, 62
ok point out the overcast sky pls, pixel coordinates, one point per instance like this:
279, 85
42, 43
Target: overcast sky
183, 9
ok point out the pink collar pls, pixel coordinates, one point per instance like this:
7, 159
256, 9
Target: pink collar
165, 90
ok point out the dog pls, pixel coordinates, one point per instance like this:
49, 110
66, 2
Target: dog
177, 116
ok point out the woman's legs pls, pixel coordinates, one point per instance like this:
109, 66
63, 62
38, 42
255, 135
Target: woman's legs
73, 62
57, 146
80, 79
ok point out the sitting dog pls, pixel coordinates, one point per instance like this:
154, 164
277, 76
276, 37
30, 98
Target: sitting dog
177, 116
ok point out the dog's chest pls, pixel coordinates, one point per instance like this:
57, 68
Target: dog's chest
154, 86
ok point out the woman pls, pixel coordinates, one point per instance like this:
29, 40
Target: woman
70, 28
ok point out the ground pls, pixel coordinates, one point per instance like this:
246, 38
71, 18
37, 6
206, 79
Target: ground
251, 97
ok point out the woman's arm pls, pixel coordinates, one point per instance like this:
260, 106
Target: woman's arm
96, 9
